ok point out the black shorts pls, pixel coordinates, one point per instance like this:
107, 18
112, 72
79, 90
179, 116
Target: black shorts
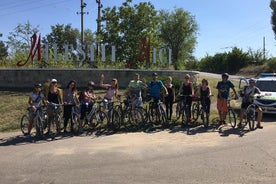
244, 105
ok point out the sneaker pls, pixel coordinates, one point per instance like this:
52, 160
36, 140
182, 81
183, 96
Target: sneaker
259, 126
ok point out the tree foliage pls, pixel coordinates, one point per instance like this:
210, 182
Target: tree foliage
225, 62
178, 31
124, 27
19, 40
62, 34
273, 15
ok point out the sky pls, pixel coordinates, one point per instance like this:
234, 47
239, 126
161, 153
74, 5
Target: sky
223, 24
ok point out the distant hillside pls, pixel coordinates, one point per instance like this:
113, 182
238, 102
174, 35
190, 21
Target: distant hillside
253, 71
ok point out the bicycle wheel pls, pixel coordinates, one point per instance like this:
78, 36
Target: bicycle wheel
231, 118
39, 126
99, 119
195, 111
75, 123
136, 119
203, 117
115, 120
162, 116
184, 116
24, 124
177, 110
152, 114
250, 116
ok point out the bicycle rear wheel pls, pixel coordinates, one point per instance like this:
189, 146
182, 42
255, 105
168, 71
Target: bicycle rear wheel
24, 124
231, 118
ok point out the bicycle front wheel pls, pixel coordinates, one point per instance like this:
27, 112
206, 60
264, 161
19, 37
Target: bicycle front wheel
75, 124
24, 124
163, 116
115, 120
136, 119
195, 111
231, 118
203, 117
99, 119
39, 126
250, 116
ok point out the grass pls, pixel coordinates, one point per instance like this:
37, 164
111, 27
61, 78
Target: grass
14, 105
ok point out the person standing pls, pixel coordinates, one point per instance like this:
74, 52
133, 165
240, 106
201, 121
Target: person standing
223, 88
170, 98
135, 91
70, 100
36, 100
53, 96
204, 92
247, 95
187, 90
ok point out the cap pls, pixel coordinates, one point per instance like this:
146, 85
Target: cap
252, 80
225, 75
154, 74
91, 83
53, 80
38, 85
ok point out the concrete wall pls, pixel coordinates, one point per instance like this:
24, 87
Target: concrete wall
23, 79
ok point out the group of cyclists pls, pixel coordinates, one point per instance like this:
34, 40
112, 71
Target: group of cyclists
69, 96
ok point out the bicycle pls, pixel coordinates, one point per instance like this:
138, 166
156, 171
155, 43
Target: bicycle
250, 115
132, 119
96, 116
230, 116
182, 110
156, 113
40, 122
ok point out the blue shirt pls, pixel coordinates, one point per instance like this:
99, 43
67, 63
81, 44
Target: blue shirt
224, 88
155, 88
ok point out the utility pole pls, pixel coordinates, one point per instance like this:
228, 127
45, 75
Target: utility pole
98, 25
263, 48
83, 5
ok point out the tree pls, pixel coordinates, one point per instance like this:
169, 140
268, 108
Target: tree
230, 62
126, 26
273, 16
3, 50
62, 34
178, 31
19, 40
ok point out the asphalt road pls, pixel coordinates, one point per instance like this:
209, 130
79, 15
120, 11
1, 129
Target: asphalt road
178, 155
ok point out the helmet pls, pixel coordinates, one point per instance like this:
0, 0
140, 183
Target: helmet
225, 75
38, 85
154, 74
91, 83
